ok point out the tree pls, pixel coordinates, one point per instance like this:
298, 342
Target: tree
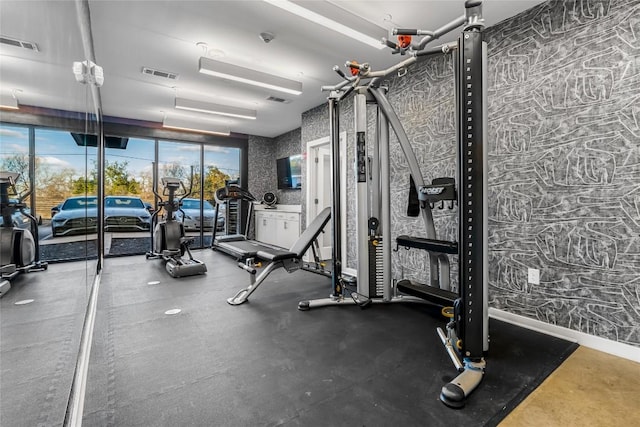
84, 185
117, 180
18, 163
214, 178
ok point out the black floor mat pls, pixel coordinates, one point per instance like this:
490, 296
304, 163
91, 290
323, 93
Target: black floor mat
266, 363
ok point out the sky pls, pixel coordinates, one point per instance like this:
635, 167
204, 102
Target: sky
58, 150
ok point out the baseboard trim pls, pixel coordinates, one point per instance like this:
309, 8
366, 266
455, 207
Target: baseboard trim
625, 351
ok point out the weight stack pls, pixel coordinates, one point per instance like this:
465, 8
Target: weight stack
376, 283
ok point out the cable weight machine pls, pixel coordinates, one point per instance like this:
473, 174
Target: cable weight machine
466, 335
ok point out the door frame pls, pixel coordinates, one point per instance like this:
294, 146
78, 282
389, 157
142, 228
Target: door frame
310, 178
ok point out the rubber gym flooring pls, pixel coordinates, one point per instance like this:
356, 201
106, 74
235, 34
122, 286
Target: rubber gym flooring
265, 362
39, 343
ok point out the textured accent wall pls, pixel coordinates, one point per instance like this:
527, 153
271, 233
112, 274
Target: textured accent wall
286, 145
263, 153
564, 163
262, 165
564, 111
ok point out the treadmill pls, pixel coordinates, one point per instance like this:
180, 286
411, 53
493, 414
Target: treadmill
234, 242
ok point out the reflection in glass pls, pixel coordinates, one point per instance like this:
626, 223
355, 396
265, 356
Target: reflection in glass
39, 341
128, 172
222, 164
66, 172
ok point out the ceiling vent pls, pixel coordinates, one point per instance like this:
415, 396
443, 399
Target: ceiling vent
159, 73
19, 43
280, 100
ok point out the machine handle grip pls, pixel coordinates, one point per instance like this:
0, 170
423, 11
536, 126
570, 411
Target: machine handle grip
340, 72
405, 32
346, 93
351, 64
390, 44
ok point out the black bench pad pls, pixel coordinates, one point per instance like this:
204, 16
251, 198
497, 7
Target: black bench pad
244, 248
431, 245
276, 255
429, 293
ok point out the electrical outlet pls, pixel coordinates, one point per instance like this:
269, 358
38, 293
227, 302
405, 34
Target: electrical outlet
534, 276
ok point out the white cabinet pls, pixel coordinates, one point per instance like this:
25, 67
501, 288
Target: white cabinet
265, 226
277, 228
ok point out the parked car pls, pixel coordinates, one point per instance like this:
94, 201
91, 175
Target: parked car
55, 209
126, 213
28, 212
19, 220
78, 215
149, 207
192, 220
221, 216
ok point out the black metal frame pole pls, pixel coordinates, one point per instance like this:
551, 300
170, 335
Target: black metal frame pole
336, 224
471, 194
32, 186
100, 190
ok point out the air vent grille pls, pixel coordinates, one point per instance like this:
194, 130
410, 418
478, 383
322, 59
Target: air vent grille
19, 43
276, 99
159, 73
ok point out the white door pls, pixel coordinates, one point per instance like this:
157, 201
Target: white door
322, 195
318, 184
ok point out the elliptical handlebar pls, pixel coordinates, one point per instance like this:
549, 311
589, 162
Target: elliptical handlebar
154, 183
170, 206
187, 193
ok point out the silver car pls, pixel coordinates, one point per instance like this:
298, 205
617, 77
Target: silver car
19, 220
78, 215
192, 219
126, 213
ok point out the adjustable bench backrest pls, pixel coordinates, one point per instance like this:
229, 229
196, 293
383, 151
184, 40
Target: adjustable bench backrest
312, 231
301, 245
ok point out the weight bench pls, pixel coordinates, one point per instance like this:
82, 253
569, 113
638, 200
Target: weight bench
290, 260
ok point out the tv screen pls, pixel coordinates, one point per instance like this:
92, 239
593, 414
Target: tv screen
289, 171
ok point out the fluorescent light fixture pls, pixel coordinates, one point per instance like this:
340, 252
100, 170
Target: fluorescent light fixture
336, 19
8, 102
207, 107
246, 75
180, 123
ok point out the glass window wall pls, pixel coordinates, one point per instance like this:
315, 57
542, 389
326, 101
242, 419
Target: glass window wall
129, 199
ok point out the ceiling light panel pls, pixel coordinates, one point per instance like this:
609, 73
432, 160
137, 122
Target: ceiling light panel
236, 73
180, 123
336, 19
207, 107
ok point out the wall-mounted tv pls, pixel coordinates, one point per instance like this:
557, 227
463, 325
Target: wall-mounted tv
289, 171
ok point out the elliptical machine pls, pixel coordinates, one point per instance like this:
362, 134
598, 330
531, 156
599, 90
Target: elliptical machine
19, 251
168, 240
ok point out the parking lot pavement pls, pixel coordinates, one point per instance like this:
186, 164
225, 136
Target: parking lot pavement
62, 248
49, 240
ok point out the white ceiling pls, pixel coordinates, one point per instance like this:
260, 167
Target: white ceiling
129, 35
